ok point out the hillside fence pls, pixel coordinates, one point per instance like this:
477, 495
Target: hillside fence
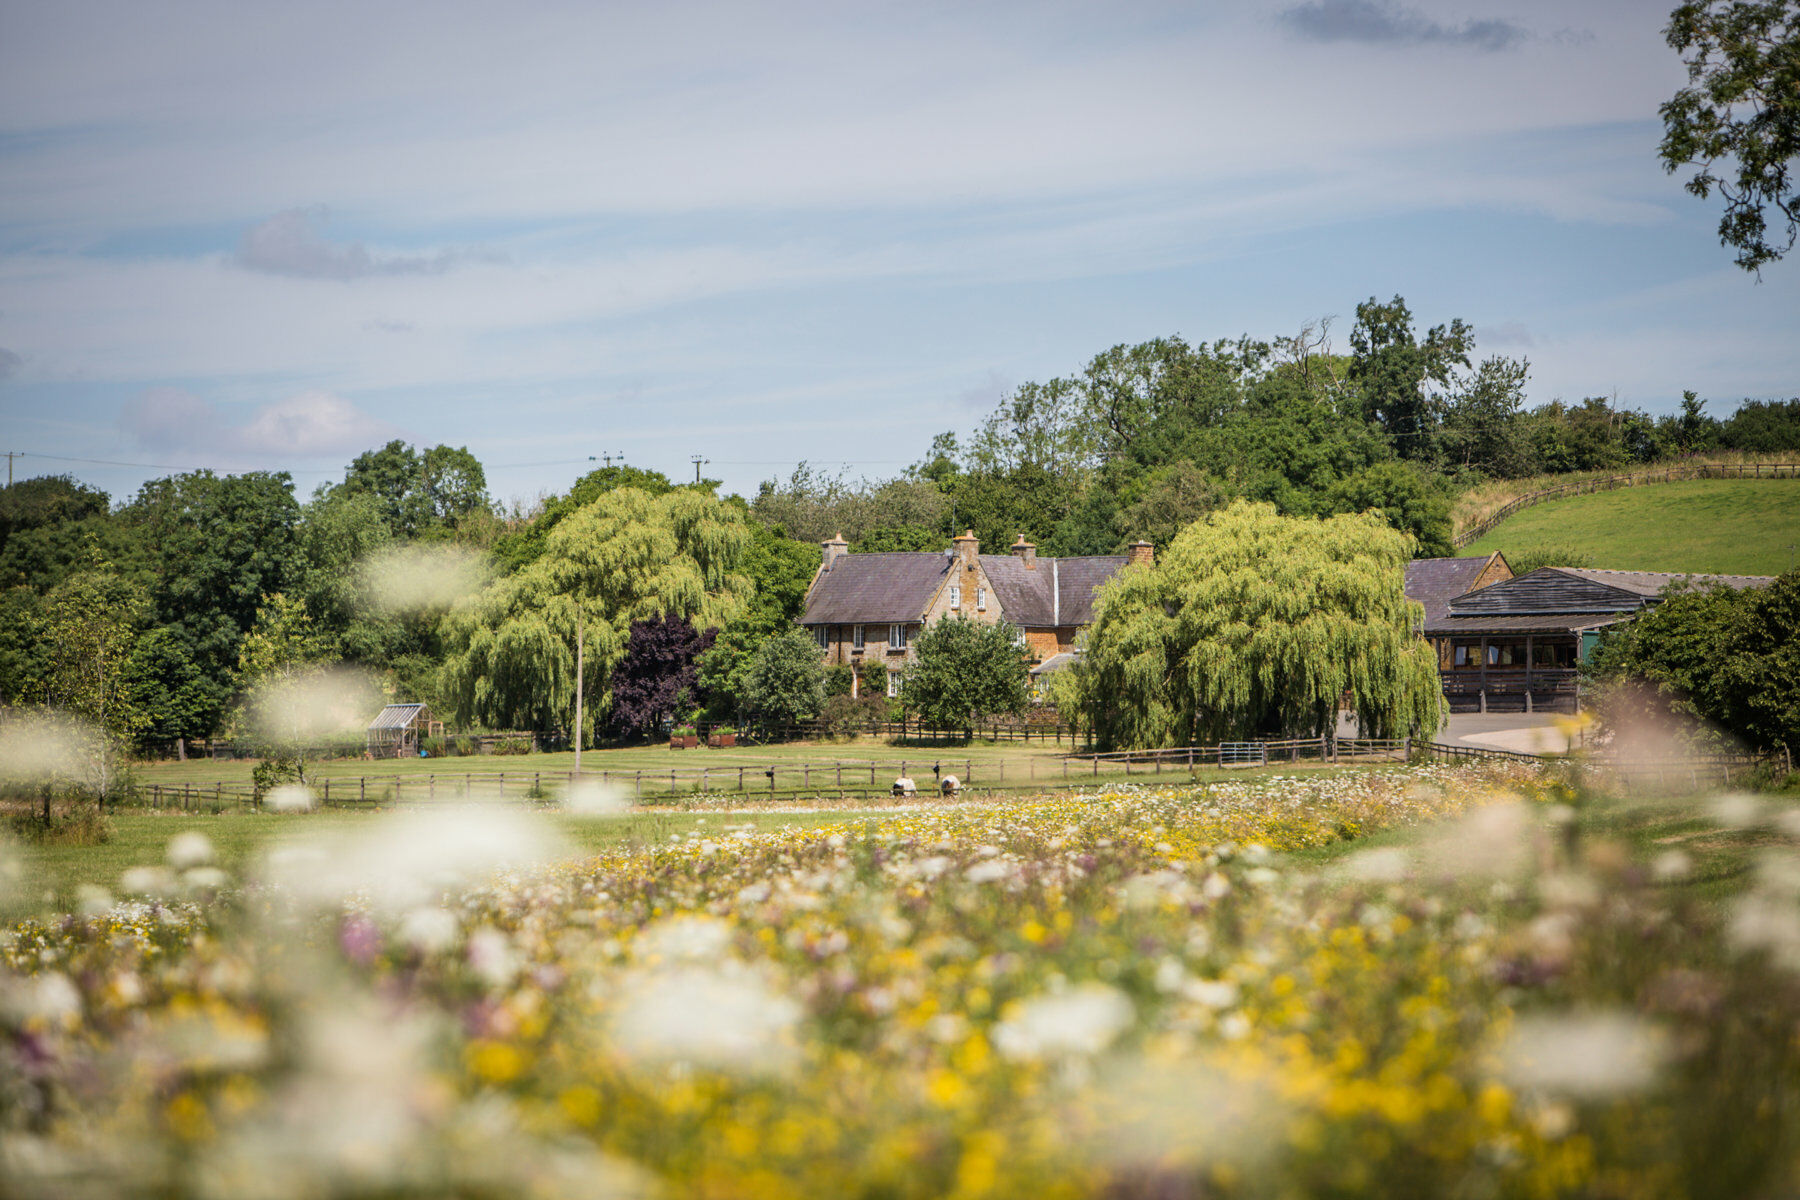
1672, 473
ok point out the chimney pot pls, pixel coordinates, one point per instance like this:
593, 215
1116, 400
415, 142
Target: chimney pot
835, 549
967, 547
1025, 551
1142, 552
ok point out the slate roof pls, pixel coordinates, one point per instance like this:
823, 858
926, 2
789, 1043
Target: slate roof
1058, 591
874, 588
1564, 598
1434, 582
1651, 583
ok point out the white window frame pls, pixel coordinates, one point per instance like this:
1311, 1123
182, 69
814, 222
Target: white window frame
980, 599
896, 637
956, 595
856, 637
895, 678
822, 635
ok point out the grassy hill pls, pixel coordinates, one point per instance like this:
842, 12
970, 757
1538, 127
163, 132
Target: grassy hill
1728, 526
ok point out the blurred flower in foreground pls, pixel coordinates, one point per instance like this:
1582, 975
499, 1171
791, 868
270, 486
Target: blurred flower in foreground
592, 798
422, 579
291, 798
723, 1017
408, 859
1582, 1056
1178, 1117
1081, 1021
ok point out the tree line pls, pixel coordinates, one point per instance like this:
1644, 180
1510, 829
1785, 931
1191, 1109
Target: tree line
636, 600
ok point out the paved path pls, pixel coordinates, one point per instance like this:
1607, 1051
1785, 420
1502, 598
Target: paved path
1525, 733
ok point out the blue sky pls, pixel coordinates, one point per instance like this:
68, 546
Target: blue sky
244, 236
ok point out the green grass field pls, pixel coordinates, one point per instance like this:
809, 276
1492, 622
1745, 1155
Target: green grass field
1722, 526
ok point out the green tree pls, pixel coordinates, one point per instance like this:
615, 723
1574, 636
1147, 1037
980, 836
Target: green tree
1723, 657
1408, 499
964, 669
281, 663
420, 494
516, 549
528, 652
1738, 119
1254, 624
1483, 426
779, 570
89, 629
785, 683
217, 546
1391, 368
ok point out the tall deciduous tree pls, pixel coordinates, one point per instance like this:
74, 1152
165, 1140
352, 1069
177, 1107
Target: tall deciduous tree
531, 648
1255, 624
89, 629
280, 663
965, 669
1391, 369
1738, 119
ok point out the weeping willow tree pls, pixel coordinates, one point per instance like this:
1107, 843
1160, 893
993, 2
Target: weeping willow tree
1253, 625
536, 649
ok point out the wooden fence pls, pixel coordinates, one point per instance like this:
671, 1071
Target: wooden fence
1668, 474
913, 731
1694, 771
782, 780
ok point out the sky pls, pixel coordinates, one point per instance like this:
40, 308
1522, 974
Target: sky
247, 236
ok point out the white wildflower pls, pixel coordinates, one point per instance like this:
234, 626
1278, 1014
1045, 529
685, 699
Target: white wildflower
1582, 1055
1081, 1021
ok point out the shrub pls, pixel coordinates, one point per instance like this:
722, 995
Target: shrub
83, 825
513, 745
843, 716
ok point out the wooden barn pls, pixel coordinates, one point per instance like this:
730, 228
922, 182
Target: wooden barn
1518, 645
397, 730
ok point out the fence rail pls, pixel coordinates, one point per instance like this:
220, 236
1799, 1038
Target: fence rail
1672, 473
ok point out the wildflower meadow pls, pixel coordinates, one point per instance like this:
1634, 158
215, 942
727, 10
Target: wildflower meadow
1478, 981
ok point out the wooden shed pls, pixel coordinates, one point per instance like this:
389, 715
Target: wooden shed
396, 730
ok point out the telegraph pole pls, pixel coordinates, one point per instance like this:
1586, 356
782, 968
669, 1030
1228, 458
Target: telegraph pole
10, 454
698, 462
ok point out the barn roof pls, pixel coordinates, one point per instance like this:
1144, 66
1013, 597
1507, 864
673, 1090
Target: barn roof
1566, 598
396, 716
1434, 582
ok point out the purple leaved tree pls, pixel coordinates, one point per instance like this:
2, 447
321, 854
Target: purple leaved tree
656, 674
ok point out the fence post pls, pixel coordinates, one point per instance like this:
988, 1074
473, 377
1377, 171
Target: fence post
327, 796
362, 788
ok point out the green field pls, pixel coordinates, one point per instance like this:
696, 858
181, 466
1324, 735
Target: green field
1720, 526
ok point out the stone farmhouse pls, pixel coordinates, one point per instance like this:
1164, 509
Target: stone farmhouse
865, 610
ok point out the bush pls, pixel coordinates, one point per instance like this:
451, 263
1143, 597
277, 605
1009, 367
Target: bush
843, 717
839, 680
515, 745
435, 747
84, 825
465, 745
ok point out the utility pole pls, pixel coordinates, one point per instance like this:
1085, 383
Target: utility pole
698, 461
9, 458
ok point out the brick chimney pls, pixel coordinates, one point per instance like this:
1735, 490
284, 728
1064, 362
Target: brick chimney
835, 549
1142, 552
1025, 551
967, 547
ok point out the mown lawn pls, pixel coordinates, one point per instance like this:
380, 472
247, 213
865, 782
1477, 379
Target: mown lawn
1721, 526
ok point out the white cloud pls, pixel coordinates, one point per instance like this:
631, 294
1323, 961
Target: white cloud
305, 425
293, 243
